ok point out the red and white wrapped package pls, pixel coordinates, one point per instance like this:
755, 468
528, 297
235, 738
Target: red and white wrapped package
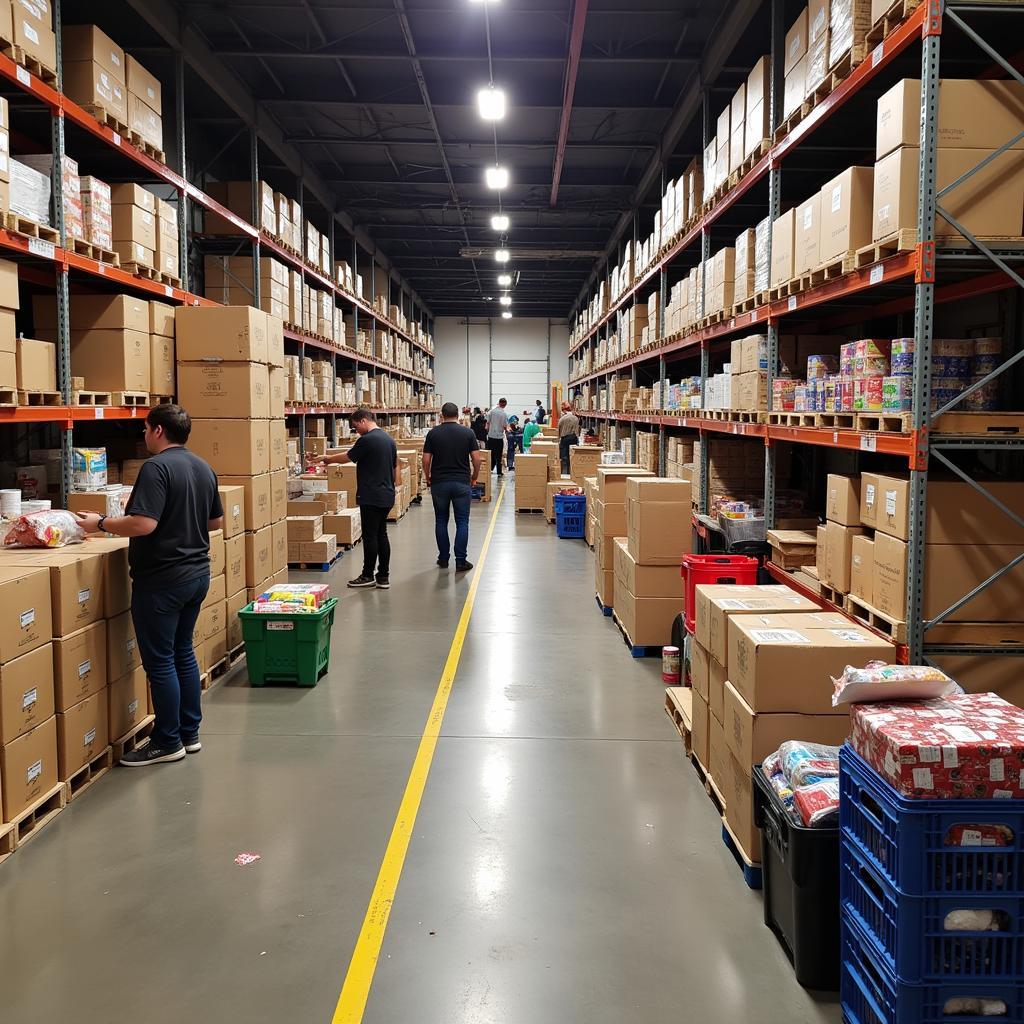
967, 746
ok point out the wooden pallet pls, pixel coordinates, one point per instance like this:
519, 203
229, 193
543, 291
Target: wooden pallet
94, 252
835, 420
679, 708
161, 399
636, 650
9, 397
605, 609
843, 67
897, 12
130, 398
716, 795
805, 579
530, 511
833, 269
40, 398
787, 288
751, 871
29, 63
884, 422
980, 424
30, 822
90, 398
792, 121
107, 119
33, 229
134, 738
318, 566
829, 593
793, 419
754, 157
141, 270
899, 241
895, 629
8, 841
92, 772
209, 679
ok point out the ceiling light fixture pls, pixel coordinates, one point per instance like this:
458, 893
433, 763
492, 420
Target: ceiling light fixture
491, 103
506, 315
504, 280
506, 300
499, 222
496, 177
501, 255
484, 1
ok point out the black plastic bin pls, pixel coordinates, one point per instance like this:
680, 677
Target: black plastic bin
801, 888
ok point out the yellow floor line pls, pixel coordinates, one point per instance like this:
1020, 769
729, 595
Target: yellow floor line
356, 988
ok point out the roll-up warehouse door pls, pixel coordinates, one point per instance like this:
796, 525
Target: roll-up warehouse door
521, 381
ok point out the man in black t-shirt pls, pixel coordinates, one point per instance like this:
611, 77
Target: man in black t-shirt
173, 507
451, 465
375, 455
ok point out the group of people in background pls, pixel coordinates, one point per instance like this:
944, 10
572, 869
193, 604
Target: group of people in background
504, 434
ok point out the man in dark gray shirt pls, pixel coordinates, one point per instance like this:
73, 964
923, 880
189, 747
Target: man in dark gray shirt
173, 507
497, 426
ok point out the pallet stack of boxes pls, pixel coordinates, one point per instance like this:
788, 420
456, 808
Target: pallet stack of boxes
609, 506
145, 104
648, 587
168, 259
162, 364
341, 511
531, 478
134, 219
231, 379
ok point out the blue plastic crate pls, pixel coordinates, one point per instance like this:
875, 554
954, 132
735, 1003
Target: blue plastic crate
909, 841
908, 934
571, 504
869, 994
570, 526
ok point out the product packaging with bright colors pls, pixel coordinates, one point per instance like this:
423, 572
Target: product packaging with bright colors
52, 528
965, 746
292, 597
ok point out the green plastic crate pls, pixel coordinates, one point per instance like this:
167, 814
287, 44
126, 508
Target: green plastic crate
287, 647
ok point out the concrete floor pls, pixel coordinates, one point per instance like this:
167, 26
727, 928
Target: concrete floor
566, 864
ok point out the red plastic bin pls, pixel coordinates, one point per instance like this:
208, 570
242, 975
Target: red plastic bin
698, 569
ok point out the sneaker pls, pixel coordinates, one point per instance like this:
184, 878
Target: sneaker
193, 746
151, 755
383, 582
443, 563
463, 566
362, 580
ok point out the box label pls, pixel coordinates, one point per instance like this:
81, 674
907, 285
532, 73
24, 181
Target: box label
34, 770
850, 636
30, 32
837, 198
890, 503
130, 645
778, 636
28, 617
84, 595
29, 697
133, 707
84, 668
808, 218
869, 494
88, 738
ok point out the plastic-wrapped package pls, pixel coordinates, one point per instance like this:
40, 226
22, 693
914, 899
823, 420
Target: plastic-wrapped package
877, 681
975, 920
806, 764
771, 767
762, 267
968, 1006
818, 805
50, 529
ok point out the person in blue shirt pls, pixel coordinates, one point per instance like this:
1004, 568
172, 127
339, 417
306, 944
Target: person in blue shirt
515, 441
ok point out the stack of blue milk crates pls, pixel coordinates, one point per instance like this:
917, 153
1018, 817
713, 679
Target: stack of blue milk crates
932, 905
570, 515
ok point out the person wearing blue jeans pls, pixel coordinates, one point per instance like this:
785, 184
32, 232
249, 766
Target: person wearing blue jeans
451, 465
174, 505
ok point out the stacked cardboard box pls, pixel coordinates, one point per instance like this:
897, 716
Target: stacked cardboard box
274, 211
609, 506
167, 255
9, 304
97, 212
648, 588
110, 339
230, 378
134, 220
94, 71
531, 479
33, 31
161, 350
145, 105
583, 461
843, 535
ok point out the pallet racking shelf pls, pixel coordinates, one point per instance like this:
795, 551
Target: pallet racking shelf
39, 257
912, 282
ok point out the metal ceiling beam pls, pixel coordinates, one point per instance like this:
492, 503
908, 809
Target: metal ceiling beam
166, 22
722, 38
456, 57
572, 67
316, 98
355, 140
342, 6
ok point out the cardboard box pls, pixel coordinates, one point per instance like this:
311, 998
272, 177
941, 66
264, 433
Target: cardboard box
324, 549
161, 319
796, 42
117, 583
122, 647
76, 585
700, 667
79, 665
862, 568
842, 499
716, 603
794, 88
32, 31
143, 84
235, 447
258, 556
29, 768
279, 545
232, 606
611, 517
647, 620
807, 240
974, 113
89, 83
699, 729
216, 554
131, 223
88, 43
216, 592
36, 365
987, 203
237, 333
839, 555
234, 563
718, 758
783, 236
161, 365
758, 85
112, 360
232, 498
892, 515
643, 580
127, 703
958, 514
130, 194
659, 532
611, 481
26, 693
889, 575
279, 491
256, 498
26, 621
717, 674
345, 526
82, 734
777, 664
230, 390
846, 212
304, 528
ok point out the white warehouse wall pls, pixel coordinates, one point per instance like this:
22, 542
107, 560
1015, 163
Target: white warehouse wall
464, 349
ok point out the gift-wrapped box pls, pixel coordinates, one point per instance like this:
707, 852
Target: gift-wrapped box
965, 746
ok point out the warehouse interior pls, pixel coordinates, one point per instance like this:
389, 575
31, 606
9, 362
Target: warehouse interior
722, 714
